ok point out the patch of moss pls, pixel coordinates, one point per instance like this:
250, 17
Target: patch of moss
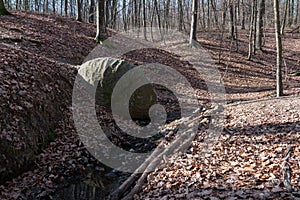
98, 41
297, 73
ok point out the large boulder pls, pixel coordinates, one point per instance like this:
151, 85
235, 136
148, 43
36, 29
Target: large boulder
105, 73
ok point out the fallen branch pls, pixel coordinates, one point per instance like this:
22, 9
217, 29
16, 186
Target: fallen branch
163, 149
173, 147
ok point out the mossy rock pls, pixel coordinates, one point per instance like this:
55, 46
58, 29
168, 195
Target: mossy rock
105, 73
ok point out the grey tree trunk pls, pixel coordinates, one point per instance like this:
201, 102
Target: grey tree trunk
100, 20
193, 33
66, 7
124, 15
231, 23
203, 14
180, 17
92, 11
279, 87
259, 24
3, 10
53, 6
243, 15
291, 12
144, 19
114, 14
78, 8
251, 30
284, 17
297, 13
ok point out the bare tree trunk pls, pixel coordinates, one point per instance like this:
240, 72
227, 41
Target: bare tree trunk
124, 16
3, 10
259, 24
144, 19
78, 8
66, 7
203, 14
231, 24
251, 30
166, 17
100, 20
279, 88
208, 15
180, 11
107, 13
213, 5
114, 14
243, 15
235, 27
92, 11
46, 6
193, 33
26, 4
224, 11
157, 14
53, 6
284, 17
255, 26
291, 12
71, 8
297, 13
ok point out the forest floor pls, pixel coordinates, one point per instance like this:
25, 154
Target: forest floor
245, 163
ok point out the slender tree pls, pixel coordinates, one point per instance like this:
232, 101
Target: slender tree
284, 17
180, 15
251, 30
3, 10
100, 20
66, 7
92, 12
279, 87
231, 24
193, 33
78, 10
259, 24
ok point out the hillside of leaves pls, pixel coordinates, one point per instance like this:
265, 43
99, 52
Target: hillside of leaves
36, 80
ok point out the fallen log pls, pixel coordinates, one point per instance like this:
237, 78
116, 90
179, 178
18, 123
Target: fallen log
163, 149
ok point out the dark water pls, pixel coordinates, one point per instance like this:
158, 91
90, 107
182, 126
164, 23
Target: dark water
95, 186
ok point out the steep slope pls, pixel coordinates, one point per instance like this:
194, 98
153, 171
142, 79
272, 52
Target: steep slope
36, 74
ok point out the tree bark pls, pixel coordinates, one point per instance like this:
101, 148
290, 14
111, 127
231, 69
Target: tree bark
100, 20
3, 10
203, 14
284, 17
53, 6
92, 12
243, 15
297, 13
180, 17
259, 24
231, 24
193, 33
78, 8
279, 87
66, 7
124, 16
144, 19
251, 30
